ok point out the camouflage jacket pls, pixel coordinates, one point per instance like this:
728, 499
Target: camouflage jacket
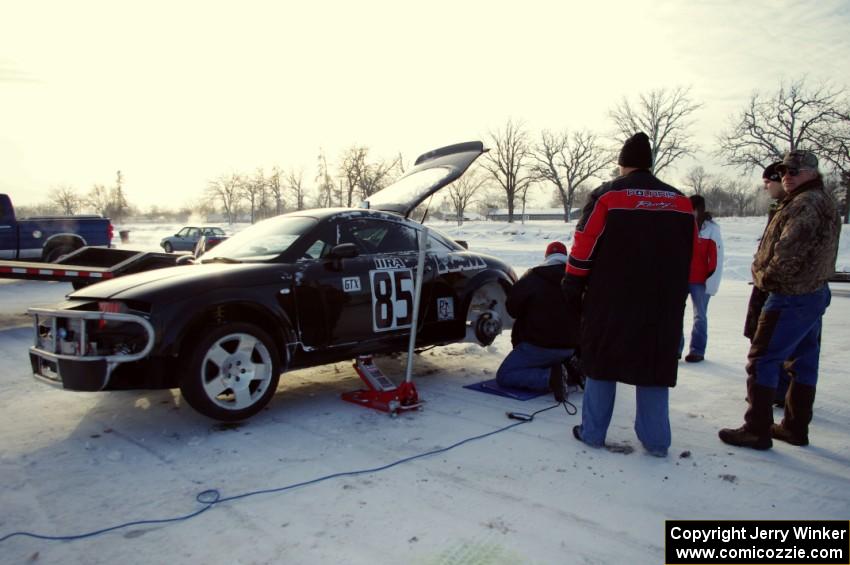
797, 253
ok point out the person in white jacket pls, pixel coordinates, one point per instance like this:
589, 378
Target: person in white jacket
708, 229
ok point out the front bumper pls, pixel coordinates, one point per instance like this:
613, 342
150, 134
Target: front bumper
64, 355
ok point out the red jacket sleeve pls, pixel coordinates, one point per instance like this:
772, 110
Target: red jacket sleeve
711, 248
588, 230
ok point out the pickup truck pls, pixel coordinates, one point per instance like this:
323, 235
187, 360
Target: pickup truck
48, 238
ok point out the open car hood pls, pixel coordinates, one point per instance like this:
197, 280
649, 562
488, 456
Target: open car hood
431, 172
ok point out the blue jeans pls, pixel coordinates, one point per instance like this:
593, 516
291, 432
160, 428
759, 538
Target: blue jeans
652, 422
699, 332
528, 366
789, 328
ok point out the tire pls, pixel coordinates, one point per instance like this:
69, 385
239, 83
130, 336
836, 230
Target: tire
231, 373
58, 252
168, 247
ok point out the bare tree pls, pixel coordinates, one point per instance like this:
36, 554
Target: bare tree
98, 199
568, 162
742, 194
665, 116
508, 161
697, 179
252, 190
794, 117
276, 189
118, 206
227, 189
462, 191
324, 183
352, 168
378, 175
66, 198
295, 184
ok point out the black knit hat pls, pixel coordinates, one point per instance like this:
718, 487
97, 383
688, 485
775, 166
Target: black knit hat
698, 202
636, 152
770, 172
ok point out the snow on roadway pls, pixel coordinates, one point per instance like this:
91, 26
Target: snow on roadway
73, 462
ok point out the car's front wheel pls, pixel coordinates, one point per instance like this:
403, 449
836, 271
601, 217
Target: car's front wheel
168, 247
231, 373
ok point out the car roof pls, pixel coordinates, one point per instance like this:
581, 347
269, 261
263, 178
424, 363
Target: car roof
326, 213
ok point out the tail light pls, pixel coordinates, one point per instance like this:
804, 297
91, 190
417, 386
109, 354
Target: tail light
110, 231
109, 307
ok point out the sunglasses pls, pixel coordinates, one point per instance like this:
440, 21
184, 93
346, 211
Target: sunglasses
792, 172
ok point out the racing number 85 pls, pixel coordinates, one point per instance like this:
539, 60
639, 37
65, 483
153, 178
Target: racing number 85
392, 299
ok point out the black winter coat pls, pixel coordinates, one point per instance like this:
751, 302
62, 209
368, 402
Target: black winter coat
628, 271
540, 310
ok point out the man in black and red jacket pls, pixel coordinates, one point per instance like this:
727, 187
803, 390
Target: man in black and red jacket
628, 275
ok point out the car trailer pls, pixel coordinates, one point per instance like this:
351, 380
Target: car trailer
89, 265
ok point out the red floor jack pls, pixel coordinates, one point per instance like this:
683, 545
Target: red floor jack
382, 393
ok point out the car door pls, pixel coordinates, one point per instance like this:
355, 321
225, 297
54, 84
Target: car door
8, 230
191, 238
365, 298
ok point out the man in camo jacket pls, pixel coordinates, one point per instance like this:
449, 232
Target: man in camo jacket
794, 260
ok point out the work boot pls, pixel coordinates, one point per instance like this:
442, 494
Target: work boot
693, 358
557, 383
794, 428
575, 376
756, 431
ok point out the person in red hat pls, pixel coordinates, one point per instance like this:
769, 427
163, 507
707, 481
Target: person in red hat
545, 333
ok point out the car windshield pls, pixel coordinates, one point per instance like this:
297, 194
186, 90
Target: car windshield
261, 242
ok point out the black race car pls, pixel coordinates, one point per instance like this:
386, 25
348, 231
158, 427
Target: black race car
298, 290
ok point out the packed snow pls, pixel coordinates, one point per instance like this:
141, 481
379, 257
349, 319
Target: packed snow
76, 462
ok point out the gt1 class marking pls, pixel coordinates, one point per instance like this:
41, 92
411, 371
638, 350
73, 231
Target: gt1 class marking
392, 299
351, 284
445, 308
389, 263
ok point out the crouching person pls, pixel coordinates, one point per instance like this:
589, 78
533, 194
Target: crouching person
544, 334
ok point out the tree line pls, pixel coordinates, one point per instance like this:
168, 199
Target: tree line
566, 164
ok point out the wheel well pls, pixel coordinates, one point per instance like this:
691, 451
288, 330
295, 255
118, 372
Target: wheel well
247, 313
478, 310
503, 284
56, 241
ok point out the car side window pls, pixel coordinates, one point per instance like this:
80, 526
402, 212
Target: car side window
325, 239
194, 232
437, 244
378, 236
317, 250
183, 233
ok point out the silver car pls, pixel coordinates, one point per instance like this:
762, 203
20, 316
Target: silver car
187, 238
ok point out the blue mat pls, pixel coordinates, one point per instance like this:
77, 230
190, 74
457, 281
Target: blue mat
492, 387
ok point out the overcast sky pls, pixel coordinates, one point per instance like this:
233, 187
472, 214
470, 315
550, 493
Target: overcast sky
176, 93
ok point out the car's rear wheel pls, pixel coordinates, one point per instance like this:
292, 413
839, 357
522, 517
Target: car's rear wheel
486, 316
168, 247
231, 373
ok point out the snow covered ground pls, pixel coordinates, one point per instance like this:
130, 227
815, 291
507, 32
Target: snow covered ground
75, 462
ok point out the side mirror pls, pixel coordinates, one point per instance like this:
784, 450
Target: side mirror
343, 251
